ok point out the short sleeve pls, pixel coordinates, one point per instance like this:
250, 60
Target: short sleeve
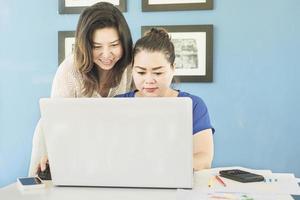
201, 119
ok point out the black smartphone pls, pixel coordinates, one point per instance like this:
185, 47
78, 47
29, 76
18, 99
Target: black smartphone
241, 176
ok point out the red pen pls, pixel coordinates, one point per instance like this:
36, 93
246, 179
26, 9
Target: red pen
220, 180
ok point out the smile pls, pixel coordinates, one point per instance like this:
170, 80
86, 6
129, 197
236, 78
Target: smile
106, 62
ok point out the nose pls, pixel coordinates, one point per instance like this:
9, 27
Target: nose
149, 79
106, 52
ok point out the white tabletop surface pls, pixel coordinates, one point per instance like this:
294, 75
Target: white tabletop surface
12, 192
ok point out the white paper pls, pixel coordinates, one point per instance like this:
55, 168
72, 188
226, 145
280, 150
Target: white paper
197, 194
285, 184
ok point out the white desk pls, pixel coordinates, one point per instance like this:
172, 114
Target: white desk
11, 192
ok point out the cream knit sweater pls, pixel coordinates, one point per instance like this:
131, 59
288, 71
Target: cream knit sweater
67, 83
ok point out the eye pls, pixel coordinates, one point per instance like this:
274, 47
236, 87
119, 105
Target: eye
115, 45
158, 73
141, 73
97, 47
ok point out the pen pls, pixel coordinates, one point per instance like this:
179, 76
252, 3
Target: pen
210, 182
220, 180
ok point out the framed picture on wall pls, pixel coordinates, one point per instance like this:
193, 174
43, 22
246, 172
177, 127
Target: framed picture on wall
172, 5
66, 44
193, 50
76, 6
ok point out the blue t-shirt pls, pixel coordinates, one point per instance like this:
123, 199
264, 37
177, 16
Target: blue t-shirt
201, 120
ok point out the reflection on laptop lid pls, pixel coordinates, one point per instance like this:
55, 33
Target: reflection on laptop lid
119, 142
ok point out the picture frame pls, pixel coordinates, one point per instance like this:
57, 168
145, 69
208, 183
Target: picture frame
66, 43
77, 6
194, 51
176, 5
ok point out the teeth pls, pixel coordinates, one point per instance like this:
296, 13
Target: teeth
107, 62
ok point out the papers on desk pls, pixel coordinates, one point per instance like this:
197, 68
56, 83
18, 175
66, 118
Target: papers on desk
197, 195
277, 186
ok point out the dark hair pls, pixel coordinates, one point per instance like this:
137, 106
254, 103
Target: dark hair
97, 16
157, 39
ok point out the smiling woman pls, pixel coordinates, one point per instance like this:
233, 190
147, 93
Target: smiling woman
107, 49
103, 46
98, 67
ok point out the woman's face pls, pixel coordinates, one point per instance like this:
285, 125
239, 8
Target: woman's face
152, 74
107, 48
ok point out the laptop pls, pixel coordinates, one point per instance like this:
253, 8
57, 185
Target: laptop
119, 142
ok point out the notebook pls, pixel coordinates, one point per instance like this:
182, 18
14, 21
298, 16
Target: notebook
119, 142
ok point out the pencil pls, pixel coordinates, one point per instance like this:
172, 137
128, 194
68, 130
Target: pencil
220, 180
210, 182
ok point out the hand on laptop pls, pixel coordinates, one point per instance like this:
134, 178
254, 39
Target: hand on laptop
42, 165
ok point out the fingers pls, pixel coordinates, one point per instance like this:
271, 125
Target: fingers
43, 162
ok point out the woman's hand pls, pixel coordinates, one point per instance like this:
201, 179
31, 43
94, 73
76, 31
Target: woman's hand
42, 165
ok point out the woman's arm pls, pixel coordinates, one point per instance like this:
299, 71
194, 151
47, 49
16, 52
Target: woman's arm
203, 149
38, 149
65, 84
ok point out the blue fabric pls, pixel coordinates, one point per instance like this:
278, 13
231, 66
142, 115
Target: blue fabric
201, 120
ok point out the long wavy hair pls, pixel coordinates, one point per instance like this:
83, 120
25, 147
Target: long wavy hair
98, 16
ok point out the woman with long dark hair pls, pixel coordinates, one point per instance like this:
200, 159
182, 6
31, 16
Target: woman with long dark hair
98, 67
